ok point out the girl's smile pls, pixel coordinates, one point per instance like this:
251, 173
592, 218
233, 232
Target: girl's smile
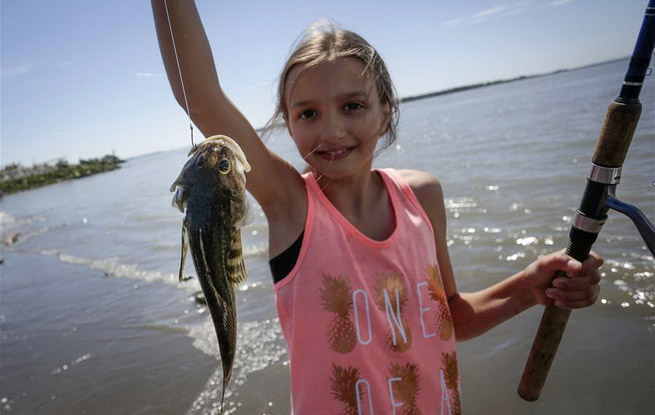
335, 154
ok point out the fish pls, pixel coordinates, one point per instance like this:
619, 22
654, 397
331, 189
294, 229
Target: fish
211, 192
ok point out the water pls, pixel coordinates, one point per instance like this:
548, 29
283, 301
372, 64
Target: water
93, 320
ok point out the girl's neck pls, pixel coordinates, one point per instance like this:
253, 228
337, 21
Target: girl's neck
354, 196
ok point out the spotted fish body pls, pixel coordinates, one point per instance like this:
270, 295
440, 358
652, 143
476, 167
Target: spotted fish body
211, 189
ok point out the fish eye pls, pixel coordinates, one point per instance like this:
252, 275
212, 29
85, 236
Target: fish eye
224, 166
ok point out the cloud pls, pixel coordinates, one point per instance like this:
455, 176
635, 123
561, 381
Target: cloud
558, 3
17, 70
499, 9
149, 75
502, 10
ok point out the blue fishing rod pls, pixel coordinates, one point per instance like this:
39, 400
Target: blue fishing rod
598, 198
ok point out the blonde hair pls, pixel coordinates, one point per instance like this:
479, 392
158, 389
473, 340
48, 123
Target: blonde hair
324, 41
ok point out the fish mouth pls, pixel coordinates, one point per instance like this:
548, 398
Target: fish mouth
180, 197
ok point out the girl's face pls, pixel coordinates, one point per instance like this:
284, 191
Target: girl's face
335, 116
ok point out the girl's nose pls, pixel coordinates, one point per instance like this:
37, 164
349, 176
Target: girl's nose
333, 129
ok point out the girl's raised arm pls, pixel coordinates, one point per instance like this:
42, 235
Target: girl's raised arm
272, 181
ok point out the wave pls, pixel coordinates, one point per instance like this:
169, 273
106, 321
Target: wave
16, 237
8, 220
112, 267
11, 225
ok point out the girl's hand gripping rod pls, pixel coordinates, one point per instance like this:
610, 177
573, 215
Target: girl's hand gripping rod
612, 146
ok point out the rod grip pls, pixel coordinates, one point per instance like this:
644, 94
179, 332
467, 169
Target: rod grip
552, 325
616, 134
544, 347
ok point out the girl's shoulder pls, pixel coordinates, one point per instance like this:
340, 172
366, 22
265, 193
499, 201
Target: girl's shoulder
424, 185
427, 189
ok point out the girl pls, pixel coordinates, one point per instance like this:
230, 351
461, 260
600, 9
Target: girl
364, 286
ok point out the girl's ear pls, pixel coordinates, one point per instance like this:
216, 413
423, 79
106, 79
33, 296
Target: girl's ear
386, 111
286, 124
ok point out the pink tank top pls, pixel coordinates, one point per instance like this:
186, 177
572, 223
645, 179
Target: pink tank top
366, 322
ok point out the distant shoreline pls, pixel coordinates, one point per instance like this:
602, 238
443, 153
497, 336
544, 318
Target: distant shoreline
16, 178
500, 81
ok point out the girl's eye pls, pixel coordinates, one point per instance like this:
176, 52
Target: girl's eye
307, 114
353, 106
224, 166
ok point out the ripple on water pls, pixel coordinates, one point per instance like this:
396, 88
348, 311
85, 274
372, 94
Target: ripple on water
67, 366
515, 256
529, 240
465, 204
631, 282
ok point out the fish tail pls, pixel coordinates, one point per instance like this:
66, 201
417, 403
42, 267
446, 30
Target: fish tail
225, 381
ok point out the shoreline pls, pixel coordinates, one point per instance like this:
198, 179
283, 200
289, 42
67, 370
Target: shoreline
500, 81
16, 178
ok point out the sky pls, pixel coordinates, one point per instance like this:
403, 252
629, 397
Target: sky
84, 78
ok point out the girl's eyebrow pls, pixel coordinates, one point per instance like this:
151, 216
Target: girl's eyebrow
301, 103
348, 95
354, 94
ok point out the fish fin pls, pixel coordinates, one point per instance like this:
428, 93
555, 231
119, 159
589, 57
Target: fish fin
185, 247
236, 266
248, 213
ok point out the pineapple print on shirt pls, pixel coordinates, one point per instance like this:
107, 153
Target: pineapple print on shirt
345, 387
405, 386
452, 380
437, 293
336, 297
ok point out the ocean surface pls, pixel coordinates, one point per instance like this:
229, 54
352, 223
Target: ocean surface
94, 321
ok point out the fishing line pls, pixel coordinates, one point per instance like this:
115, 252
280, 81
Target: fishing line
309, 154
179, 70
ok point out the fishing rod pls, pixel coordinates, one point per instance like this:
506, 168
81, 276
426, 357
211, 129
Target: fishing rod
599, 196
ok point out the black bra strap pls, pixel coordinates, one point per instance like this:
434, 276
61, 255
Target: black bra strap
283, 263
